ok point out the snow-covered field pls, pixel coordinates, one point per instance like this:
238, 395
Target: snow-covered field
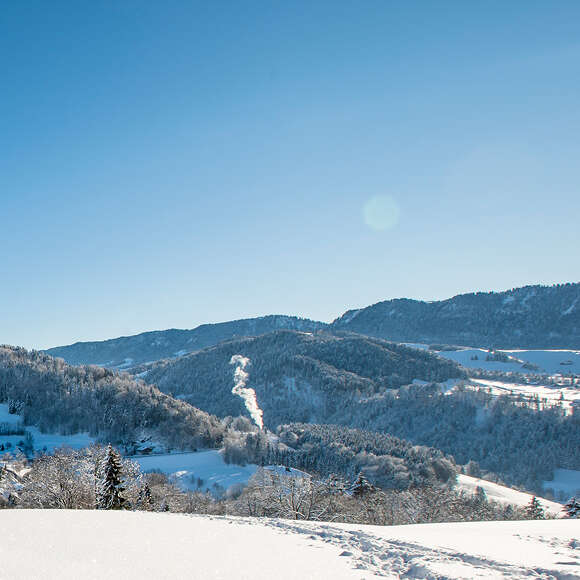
566, 483
547, 394
208, 466
41, 441
66, 545
506, 495
185, 469
548, 361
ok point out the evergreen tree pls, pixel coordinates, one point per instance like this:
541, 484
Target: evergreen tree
145, 501
361, 486
480, 495
572, 508
534, 510
110, 491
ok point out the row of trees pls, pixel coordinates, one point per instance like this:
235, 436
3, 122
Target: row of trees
98, 477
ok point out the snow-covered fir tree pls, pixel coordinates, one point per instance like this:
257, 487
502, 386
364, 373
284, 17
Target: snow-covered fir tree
361, 486
572, 508
110, 489
145, 501
534, 509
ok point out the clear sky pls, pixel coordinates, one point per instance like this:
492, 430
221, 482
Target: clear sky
166, 164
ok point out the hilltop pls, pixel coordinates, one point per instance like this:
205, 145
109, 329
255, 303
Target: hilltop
528, 317
297, 376
128, 351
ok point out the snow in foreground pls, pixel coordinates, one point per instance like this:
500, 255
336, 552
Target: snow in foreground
52, 544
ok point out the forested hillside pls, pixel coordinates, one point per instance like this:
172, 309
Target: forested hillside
529, 317
356, 381
521, 444
297, 376
389, 462
57, 397
128, 351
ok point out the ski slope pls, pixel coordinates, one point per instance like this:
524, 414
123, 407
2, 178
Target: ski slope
67, 545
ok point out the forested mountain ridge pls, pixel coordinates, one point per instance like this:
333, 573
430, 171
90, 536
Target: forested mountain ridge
528, 317
57, 397
127, 351
297, 376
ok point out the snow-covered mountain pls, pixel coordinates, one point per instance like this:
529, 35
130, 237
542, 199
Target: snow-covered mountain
128, 351
528, 317
72, 544
297, 376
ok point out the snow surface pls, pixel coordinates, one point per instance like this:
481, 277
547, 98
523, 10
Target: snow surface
552, 395
464, 358
566, 483
506, 495
185, 468
41, 441
6, 417
548, 361
66, 545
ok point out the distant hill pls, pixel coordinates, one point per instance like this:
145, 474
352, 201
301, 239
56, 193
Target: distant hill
128, 351
528, 317
297, 376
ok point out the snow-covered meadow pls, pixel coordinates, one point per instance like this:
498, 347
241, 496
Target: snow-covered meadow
566, 483
547, 361
46, 442
548, 395
201, 470
66, 545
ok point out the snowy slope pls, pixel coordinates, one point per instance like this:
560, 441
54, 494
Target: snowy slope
551, 361
185, 469
505, 495
41, 441
547, 361
66, 545
565, 484
564, 396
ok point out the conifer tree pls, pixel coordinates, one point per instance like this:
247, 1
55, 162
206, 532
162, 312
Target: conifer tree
110, 490
534, 510
361, 486
572, 507
145, 501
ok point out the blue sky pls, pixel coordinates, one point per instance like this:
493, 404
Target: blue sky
166, 164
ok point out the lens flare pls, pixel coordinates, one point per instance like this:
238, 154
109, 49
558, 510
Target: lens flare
381, 212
